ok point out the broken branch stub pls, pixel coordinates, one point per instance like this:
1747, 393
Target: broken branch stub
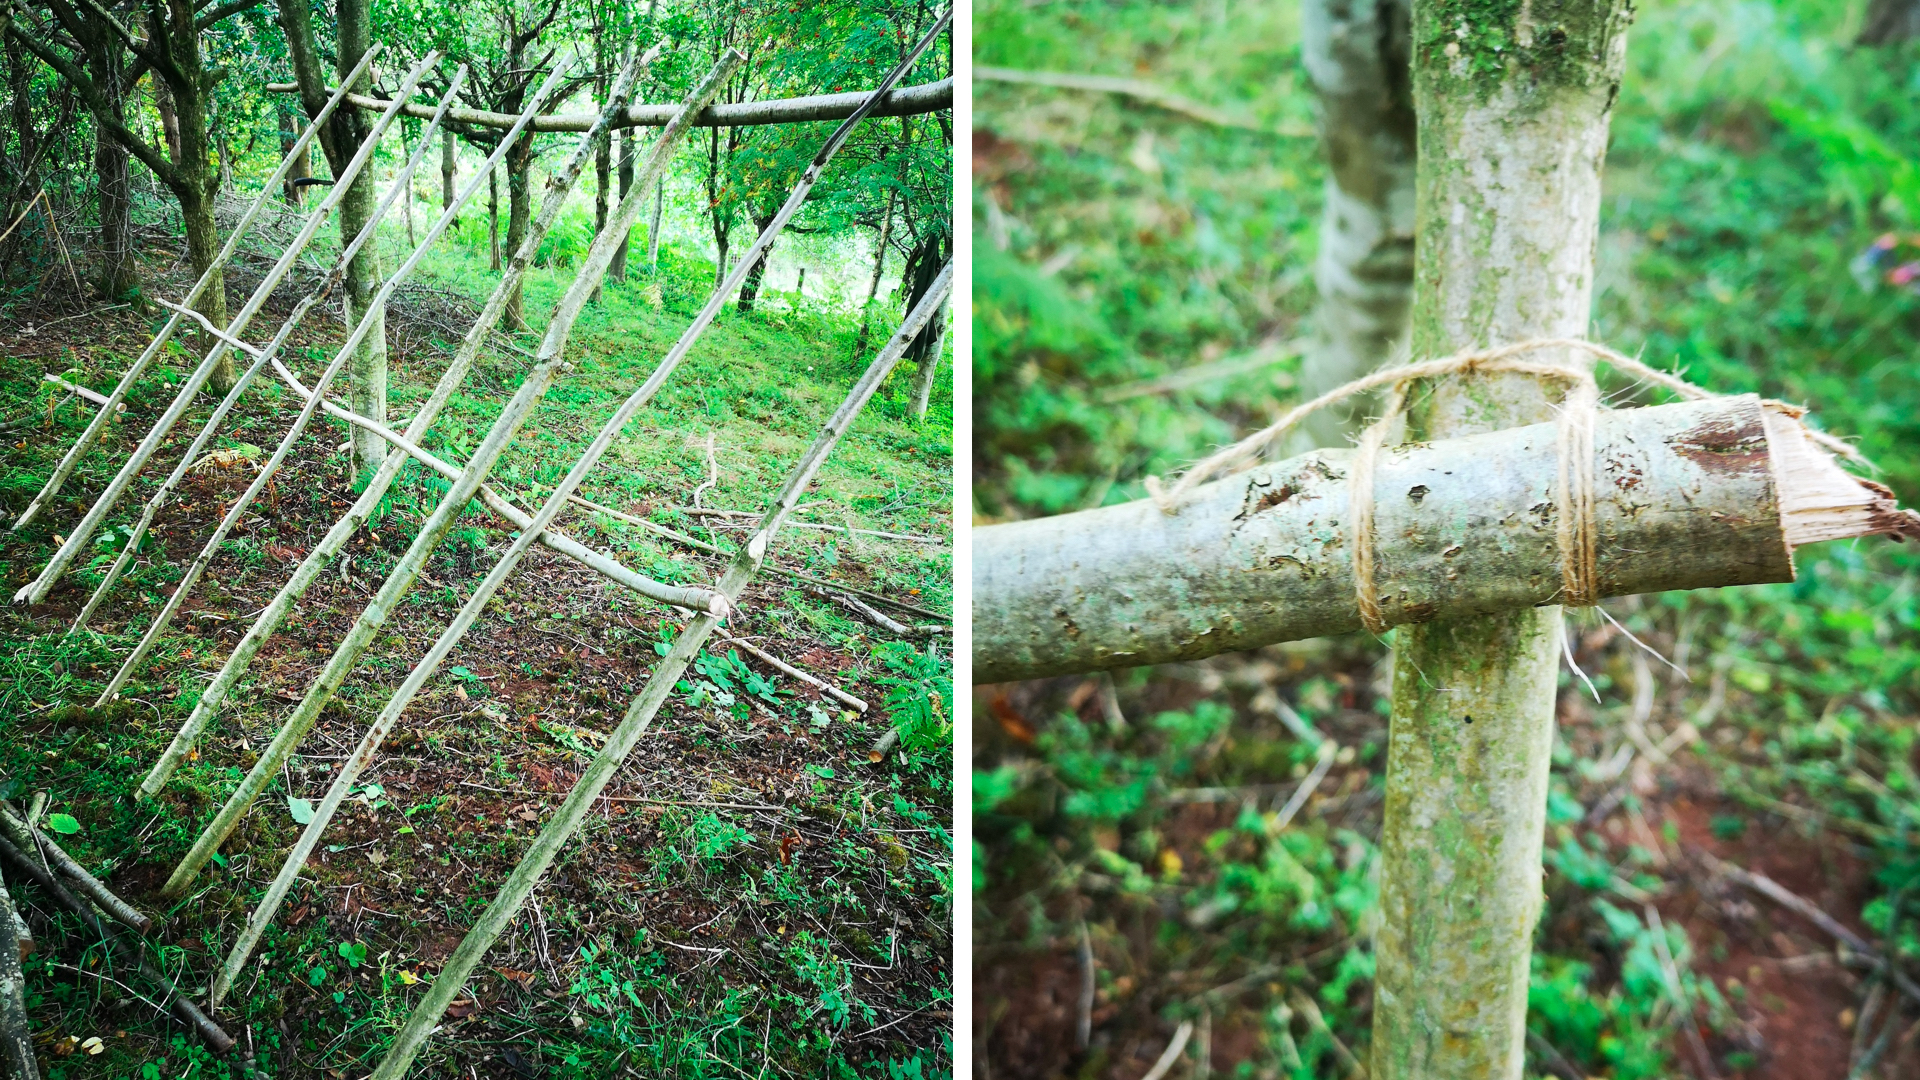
1700, 494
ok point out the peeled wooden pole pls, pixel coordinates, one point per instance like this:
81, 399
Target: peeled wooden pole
1513, 106
438, 523
207, 430
639, 715
1694, 495
906, 101
76, 542
92, 434
559, 184
370, 319
16, 1031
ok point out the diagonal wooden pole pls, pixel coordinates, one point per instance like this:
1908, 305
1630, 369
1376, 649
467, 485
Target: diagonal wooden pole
36, 591
184, 587
432, 531
92, 434
639, 716
1513, 106
559, 184
260, 360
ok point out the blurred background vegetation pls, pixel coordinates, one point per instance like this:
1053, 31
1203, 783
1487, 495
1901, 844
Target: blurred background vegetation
1166, 832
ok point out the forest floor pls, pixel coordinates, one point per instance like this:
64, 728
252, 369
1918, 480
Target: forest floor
1143, 284
753, 897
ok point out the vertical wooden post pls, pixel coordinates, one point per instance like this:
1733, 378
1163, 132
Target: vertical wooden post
1513, 98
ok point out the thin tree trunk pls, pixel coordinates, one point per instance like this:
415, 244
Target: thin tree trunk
1513, 121
923, 376
1356, 57
197, 183
406, 195
750, 289
618, 271
16, 1032
602, 177
449, 166
367, 375
519, 212
119, 275
300, 168
653, 228
1890, 22
879, 270
493, 219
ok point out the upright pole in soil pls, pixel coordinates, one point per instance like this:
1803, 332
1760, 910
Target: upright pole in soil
566, 820
37, 590
437, 525
1513, 109
558, 186
92, 434
400, 189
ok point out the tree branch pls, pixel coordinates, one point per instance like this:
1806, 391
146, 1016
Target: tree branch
96, 104
232, 7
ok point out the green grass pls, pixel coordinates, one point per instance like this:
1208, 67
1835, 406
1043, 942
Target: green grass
781, 900
1754, 156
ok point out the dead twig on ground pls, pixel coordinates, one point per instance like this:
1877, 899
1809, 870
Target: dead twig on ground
772, 661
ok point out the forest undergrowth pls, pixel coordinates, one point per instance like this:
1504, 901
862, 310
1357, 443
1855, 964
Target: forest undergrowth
754, 897
1189, 852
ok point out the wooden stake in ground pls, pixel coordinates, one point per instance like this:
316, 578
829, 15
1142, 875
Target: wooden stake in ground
77, 542
1513, 116
559, 185
639, 715
434, 529
92, 434
369, 319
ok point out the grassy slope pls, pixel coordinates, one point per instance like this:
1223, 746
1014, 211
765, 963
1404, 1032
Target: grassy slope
720, 919
1740, 186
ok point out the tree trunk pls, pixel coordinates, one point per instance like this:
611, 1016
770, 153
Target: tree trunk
1356, 57
406, 196
618, 270
519, 164
721, 219
1890, 22
922, 269
449, 167
653, 227
750, 288
879, 269
1513, 113
169, 116
367, 373
197, 182
493, 219
602, 177
923, 377
289, 134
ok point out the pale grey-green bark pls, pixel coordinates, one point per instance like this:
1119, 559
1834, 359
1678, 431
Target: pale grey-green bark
437, 525
16, 1030
91, 435
1355, 53
1513, 102
1686, 497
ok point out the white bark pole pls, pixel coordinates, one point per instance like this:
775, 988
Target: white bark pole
1700, 494
906, 101
929, 367
437, 525
1514, 105
558, 186
16, 1031
367, 321
639, 715
1356, 57
76, 542
92, 434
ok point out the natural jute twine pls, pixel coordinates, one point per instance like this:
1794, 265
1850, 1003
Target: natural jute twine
1573, 491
